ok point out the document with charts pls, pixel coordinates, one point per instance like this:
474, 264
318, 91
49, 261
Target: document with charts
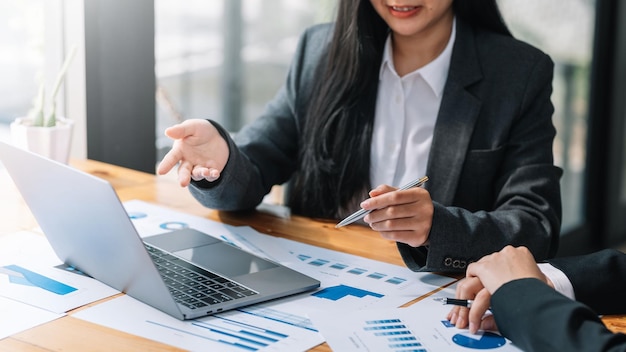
348, 283
421, 327
31, 273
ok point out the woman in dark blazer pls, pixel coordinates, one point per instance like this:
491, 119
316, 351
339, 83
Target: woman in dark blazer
489, 157
532, 314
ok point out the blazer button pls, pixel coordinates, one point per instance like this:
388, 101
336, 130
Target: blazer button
447, 261
459, 264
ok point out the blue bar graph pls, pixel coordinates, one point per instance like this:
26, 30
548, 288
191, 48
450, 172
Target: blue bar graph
336, 293
318, 262
396, 280
230, 332
357, 271
395, 333
22, 276
376, 276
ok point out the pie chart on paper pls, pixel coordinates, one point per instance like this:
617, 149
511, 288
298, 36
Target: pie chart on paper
486, 341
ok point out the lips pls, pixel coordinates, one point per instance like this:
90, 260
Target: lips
403, 11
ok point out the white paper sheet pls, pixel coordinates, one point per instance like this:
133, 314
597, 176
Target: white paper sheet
31, 273
17, 317
420, 327
231, 331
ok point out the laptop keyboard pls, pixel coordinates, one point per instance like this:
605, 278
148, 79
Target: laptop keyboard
193, 286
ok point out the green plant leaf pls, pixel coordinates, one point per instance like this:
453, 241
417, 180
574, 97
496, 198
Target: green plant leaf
36, 113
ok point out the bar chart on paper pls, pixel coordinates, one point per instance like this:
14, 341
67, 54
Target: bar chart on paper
394, 333
336, 293
231, 333
254, 328
350, 282
421, 327
50, 287
21, 276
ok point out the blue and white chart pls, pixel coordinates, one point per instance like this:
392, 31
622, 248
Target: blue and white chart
42, 280
351, 282
421, 327
255, 330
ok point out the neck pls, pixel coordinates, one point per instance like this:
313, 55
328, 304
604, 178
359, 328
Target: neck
413, 52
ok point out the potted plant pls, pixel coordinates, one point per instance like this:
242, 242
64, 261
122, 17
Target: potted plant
49, 135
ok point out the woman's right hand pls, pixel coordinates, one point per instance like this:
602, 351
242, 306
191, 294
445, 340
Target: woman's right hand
199, 149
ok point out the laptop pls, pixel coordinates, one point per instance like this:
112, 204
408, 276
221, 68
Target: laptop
184, 273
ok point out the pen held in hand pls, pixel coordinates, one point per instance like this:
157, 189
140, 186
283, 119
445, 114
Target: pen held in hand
362, 212
467, 303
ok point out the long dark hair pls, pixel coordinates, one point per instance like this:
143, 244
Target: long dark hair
337, 133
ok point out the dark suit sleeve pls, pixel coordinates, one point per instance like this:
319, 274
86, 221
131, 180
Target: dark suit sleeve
537, 318
595, 277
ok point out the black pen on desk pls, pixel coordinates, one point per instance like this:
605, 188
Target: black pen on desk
362, 212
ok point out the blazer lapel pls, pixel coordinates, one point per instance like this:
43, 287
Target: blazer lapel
457, 117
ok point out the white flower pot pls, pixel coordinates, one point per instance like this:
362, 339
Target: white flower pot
51, 142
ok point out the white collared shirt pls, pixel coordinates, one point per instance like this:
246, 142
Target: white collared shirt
406, 112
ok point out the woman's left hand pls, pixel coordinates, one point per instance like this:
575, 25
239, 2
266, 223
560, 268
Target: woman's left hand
400, 215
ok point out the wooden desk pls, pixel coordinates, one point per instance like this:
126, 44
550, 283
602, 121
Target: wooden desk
72, 334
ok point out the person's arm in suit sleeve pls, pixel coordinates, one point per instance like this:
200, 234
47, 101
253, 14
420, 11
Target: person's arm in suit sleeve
595, 277
531, 313
537, 318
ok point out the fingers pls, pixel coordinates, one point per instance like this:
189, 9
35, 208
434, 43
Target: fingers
176, 132
489, 323
467, 288
381, 190
402, 216
184, 174
478, 309
183, 129
476, 317
169, 161
453, 316
382, 197
199, 149
203, 173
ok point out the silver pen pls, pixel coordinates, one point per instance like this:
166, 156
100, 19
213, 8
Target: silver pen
362, 212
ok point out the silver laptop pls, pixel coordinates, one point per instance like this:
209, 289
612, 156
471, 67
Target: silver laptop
184, 273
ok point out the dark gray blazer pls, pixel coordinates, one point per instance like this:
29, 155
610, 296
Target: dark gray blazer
537, 318
491, 171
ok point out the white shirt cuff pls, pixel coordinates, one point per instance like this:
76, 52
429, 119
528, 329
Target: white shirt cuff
559, 280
